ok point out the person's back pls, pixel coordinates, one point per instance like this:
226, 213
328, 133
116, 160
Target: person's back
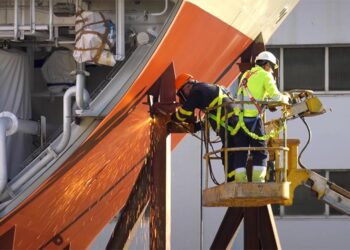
203, 96
256, 85
196, 95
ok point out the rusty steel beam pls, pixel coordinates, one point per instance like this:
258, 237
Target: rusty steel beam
159, 211
160, 186
259, 228
251, 228
268, 230
228, 228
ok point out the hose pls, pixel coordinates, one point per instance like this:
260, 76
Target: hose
211, 173
307, 143
212, 176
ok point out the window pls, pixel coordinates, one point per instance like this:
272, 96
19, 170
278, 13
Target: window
276, 52
340, 178
305, 203
304, 68
339, 63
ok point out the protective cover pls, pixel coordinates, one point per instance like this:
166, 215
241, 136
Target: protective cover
94, 38
57, 70
15, 97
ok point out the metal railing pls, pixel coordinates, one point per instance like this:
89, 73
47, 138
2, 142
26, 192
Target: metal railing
280, 151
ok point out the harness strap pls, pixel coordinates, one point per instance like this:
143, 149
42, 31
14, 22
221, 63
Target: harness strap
241, 124
217, 102
244, 84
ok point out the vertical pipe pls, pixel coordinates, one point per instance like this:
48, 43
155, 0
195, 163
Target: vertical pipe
4, 125
326, 69
76, 6
15, 21
50, 20
23, 13
82, 102
32, 16
120, 24
52, 151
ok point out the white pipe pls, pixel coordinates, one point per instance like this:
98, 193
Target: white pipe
52, 151
28, 127
67, 114
80, 83
20, 181
65, 42
23, 27
120, 23
9, 125
50, 20
15, 21
32, 16
76, 6
5, 124
162, 12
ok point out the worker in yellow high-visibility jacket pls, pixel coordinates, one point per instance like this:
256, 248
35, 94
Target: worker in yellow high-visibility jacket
256, 84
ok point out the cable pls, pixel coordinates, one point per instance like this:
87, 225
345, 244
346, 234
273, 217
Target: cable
201, 181
212, 176
307, 143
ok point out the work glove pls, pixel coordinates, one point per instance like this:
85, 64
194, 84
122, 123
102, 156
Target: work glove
197, 126
286, 98
173, 117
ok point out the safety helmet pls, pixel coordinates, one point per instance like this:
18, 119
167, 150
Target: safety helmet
267, 56
182, 79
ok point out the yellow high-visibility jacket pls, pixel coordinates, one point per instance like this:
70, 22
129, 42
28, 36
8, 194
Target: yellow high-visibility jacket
261, 85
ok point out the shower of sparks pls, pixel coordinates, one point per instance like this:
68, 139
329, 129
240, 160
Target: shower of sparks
107, 162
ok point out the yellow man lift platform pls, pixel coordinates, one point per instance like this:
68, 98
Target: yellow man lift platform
246, 194
250, 202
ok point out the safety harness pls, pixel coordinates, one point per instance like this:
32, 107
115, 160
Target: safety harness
220, 121
244, 85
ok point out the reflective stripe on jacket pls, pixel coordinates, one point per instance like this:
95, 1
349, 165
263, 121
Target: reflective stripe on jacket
202, 96
261, 85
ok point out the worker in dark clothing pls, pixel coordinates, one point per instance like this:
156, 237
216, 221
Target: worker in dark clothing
197, 95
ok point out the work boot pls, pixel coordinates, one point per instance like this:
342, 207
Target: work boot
241, 175
259, 173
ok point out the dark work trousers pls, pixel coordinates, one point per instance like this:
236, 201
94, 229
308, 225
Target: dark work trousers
241, 139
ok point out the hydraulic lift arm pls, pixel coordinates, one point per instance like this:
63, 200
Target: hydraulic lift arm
306, 104
329, 192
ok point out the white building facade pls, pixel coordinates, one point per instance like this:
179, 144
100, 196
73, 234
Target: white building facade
313, 46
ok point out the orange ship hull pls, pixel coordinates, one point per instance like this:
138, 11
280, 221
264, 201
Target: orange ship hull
92, 186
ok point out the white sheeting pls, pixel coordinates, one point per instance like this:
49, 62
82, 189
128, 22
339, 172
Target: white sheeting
15, 97
57, 70
94, 39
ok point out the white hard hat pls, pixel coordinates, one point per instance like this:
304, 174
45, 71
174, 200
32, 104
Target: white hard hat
267, 56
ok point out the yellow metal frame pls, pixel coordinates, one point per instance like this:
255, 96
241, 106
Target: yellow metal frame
288, 175
296, 176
